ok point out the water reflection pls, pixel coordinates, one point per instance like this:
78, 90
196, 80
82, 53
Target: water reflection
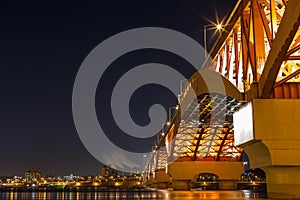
125, 195
217, 194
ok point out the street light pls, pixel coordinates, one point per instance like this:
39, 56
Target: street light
181, 95
211, 26
154, 149
162, 133
181, 85
170, 109
163, 127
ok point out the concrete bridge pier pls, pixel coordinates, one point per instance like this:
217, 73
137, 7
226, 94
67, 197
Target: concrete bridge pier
183, 173
151, 181
162, 179
283, 181
268, 131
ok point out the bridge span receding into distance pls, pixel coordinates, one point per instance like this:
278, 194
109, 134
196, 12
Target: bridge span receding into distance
255, 114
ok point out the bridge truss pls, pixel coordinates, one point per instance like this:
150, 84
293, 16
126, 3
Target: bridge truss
258, 52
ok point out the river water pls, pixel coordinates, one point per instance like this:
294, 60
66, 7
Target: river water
126, 195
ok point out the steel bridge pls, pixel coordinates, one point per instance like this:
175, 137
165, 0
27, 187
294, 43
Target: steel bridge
256, 57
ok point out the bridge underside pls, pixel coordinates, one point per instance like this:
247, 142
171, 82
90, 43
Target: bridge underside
205, 131
200, 136
257, 56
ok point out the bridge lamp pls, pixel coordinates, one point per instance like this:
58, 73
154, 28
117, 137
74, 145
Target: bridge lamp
170, 109
181, 86
163, 127
210, 27
219, 26
154, 149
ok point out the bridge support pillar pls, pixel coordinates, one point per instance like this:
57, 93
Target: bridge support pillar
181, 184
151, 182
162, 178
283, 181
183, 173
227, 184
268, 131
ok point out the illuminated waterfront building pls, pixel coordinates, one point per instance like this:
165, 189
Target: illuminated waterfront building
32, 175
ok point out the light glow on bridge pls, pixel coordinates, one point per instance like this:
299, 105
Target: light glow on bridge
243, 124
245, 55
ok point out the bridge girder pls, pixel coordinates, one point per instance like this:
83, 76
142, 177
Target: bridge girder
257, 50
287, 30
245, 54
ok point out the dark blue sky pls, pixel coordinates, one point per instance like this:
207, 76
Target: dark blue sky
42, 45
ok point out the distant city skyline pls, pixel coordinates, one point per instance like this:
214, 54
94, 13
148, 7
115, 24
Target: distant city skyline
42, 48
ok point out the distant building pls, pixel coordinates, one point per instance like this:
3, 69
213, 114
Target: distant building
107, 171
32, 175
70, 177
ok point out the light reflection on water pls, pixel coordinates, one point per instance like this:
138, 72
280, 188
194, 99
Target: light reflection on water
123, 195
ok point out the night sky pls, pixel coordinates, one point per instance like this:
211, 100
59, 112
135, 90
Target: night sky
42, 46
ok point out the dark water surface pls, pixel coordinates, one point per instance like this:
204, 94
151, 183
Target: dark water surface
126, 195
